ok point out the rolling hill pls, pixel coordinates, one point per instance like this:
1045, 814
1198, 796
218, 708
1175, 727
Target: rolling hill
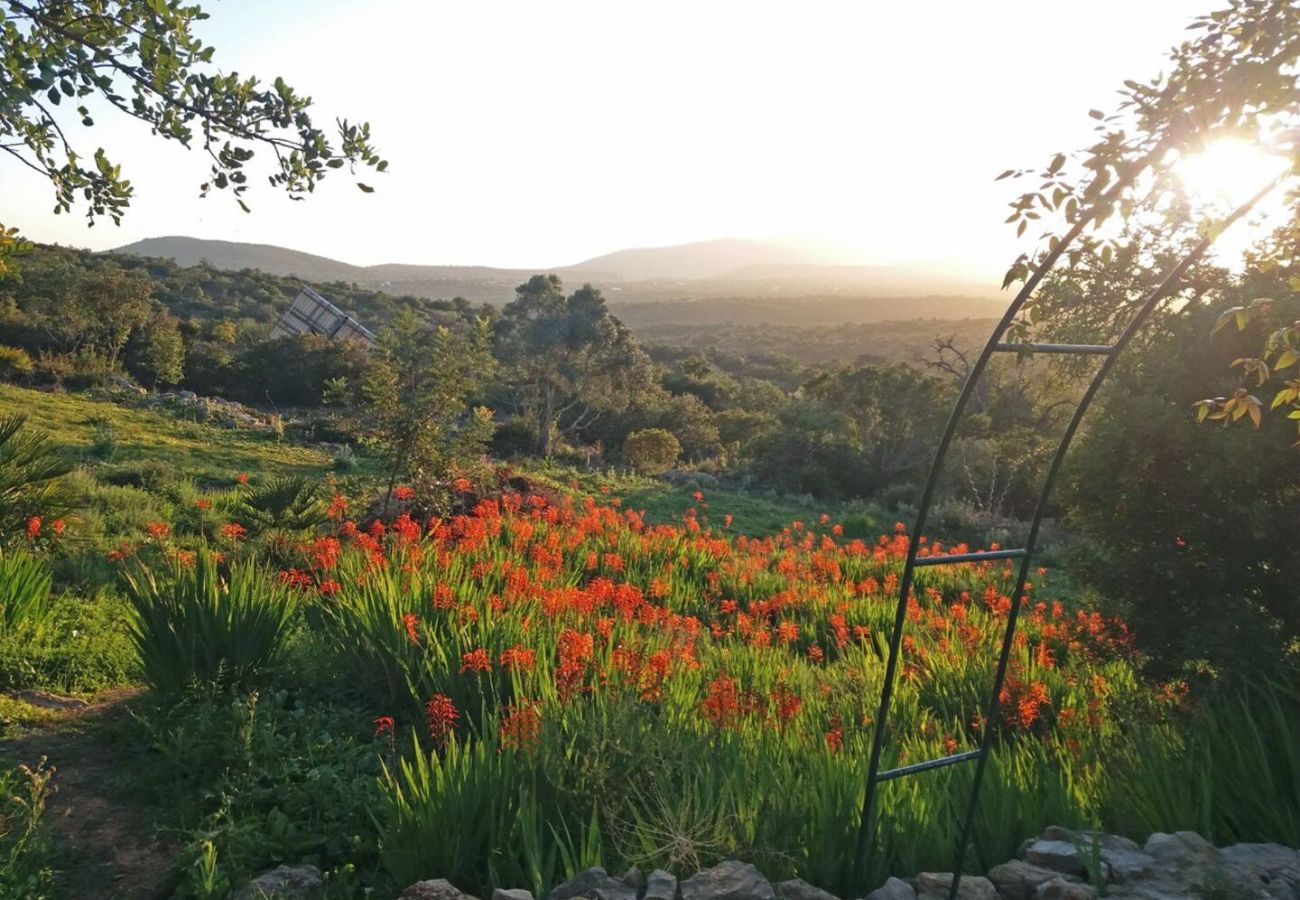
727, 268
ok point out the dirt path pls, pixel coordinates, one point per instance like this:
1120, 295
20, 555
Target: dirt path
106, 837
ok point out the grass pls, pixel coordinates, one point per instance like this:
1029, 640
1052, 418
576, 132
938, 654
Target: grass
203, 452
664, 503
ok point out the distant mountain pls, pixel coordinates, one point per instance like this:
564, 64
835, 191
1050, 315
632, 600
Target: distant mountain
232, 255
703, 259
726, 268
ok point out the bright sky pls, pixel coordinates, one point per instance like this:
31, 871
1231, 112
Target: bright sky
539, 134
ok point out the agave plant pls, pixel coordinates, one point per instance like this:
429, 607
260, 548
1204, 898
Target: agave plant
195, 625
31, 475
24, 593
285, 503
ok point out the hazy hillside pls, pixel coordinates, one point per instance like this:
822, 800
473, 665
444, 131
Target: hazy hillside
704, 270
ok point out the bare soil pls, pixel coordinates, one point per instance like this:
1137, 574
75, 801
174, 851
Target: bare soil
107, 838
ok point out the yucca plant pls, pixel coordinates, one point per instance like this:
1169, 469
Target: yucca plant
284, 503
24, 593
31, 475
196, 625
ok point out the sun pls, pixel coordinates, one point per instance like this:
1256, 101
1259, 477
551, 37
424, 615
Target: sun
1228, 172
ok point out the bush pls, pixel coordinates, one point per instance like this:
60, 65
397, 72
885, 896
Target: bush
651, 450
197, 627
104, 444
345, 459
15, 364
260, 779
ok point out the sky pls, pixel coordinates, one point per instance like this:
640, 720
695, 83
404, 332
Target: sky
532, 135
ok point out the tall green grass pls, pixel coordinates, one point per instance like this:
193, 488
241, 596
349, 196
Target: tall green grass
199, 625
24, 593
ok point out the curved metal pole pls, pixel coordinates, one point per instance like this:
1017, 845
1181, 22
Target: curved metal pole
1170, 284
927, 495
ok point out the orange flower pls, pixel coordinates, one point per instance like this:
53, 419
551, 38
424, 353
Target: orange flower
475, 661
158, 530
403, 492
462, 486
203, 503
34, 527
442, 717
835, 740
410, 621
521, 727
57, 527
233, 531
518, 659
242, 478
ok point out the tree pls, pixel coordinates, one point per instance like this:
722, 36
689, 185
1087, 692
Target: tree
142, 58
417, 386
1237, 78
69, 308
568, 358
1179, 527
162, 354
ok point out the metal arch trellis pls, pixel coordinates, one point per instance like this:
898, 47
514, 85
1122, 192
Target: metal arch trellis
1168, 285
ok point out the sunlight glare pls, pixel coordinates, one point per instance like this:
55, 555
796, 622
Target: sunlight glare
1228, 172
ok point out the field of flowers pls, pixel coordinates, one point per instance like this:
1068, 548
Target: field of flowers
566, 685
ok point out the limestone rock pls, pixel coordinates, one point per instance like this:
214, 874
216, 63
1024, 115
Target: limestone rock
935, 886
512, 894
1059, 856
1270, 862
284, 883
435, 889
1181, 850
893, 889
1061, 889
728, 880
798, 889
660, 885
1019, 880
635, 879
593, 884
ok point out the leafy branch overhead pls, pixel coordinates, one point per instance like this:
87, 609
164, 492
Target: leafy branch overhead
58, 58
1237, 77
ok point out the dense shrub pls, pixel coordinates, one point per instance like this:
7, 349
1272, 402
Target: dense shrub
15, 364
651, 450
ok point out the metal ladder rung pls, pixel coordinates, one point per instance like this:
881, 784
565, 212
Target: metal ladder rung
980, 556
1095, 349
891, 774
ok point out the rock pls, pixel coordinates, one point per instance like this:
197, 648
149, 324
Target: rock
893, 889
1270, 862
798, 889
1181, 850
435, 889
935, 886
635, 879
1059, 856
512, 894
593, 884
284, 883
660, 885
1061, 889
684, 477
1019, 880
728, 880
